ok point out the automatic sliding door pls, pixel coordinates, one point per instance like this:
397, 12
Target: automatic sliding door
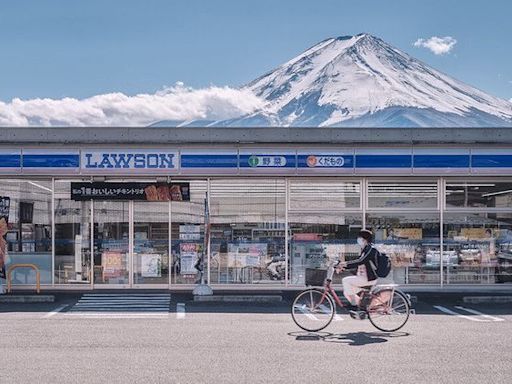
111, 242
151, 243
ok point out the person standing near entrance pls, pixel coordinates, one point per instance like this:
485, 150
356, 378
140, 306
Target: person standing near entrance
366, 269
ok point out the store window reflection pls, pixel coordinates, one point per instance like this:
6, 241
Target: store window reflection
187, 234
412, 240
111, 242
317, 239
247, 231
486, 194
321, 229
480, 248
72, 237
401, 195
28, 237
151, 242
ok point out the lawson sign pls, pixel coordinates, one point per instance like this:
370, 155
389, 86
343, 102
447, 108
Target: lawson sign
128, 160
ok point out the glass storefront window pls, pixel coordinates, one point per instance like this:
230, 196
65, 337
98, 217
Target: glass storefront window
402, 194
412, 240
187, 234
480, 245
479, 195
111, 242
72, 237
151, 242
28, 236
317, 239
248, 230
323, 195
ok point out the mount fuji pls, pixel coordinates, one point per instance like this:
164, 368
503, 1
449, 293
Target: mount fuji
361, 81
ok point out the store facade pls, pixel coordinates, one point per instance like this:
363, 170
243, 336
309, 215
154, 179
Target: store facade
135, 208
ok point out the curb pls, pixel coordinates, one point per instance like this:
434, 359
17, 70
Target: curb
27, 299
487, 299
240, 299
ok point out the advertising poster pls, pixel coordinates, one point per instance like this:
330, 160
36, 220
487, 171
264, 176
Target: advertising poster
405, 234
130, 191
112, 263
190, 232
151, 265
189, 253
246, 255
473, 233
4, 220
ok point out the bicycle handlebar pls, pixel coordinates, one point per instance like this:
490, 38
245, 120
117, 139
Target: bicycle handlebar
331, 268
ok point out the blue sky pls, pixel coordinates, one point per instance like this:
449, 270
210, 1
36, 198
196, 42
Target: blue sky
69, 48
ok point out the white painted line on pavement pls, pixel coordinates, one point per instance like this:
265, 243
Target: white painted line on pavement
55, 311
474, 312
180, 310
119, 314
302, 308
450, 312
110, 316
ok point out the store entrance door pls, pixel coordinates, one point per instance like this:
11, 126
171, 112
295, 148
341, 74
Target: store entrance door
151, 244
112, 241
131, 244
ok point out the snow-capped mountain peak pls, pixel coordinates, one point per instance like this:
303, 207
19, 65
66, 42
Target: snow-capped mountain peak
363, 81
342, 79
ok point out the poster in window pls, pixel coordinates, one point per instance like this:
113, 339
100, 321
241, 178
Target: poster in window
81, 191
246, 255
189, 253
405, 234
4, 220
151, 265
112, 262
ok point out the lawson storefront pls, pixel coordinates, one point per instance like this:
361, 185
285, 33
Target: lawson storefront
136, 207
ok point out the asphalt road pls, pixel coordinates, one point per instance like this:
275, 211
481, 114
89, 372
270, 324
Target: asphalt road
247, 343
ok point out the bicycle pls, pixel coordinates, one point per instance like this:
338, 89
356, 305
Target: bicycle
387, 308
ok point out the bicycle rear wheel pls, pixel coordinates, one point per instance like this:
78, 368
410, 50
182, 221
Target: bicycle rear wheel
312, 310
388, 310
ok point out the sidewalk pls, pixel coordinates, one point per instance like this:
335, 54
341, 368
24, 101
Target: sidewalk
498, 289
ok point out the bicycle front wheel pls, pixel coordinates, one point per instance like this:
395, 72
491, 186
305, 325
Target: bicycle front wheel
313, 310
389, 310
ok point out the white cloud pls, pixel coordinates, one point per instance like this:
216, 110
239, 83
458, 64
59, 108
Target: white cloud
438, 45
117, 109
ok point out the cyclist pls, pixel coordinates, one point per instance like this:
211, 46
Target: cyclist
366, 275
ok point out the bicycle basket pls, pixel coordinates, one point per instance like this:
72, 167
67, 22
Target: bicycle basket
315, 277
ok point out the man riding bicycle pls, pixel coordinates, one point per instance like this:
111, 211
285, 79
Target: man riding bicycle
366, 273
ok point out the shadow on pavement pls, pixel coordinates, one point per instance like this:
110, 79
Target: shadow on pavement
353, 339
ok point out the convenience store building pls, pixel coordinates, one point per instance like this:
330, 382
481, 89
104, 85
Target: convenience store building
98, 208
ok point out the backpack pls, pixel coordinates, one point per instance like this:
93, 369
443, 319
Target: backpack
383, 266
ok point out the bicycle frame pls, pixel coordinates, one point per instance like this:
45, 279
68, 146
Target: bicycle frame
328, 290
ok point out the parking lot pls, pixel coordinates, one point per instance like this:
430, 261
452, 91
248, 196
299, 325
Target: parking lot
169, 338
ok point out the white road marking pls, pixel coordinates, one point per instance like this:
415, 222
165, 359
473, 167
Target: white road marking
180, 310
117, 315
474, 312
55, 311
121, 306
302, 308
450, 312
328, 311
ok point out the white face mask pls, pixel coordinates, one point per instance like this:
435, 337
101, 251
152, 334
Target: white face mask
361, 242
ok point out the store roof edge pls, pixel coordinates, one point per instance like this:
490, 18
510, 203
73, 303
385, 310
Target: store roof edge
254, 135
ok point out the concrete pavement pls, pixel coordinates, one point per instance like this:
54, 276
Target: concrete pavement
249, 343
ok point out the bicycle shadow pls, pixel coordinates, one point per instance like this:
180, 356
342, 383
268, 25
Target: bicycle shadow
353, 339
